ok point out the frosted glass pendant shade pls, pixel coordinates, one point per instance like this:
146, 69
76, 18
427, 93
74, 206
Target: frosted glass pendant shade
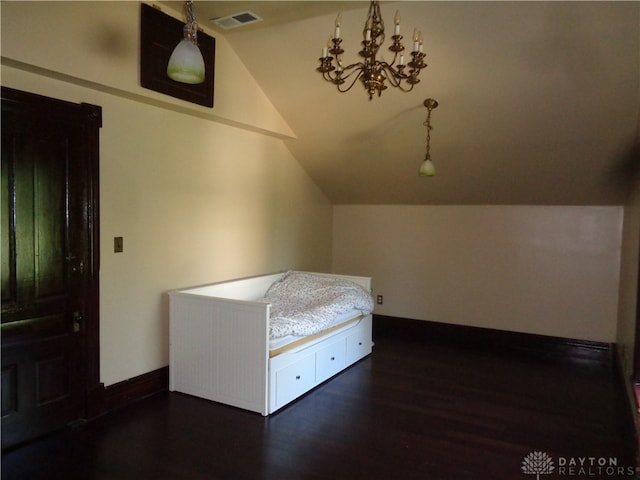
427, 169
186, 64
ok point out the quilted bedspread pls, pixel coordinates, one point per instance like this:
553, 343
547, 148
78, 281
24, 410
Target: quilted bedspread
305, 304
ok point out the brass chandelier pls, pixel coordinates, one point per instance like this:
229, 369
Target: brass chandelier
371, 71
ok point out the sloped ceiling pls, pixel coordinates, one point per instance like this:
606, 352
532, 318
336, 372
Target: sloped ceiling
539, 101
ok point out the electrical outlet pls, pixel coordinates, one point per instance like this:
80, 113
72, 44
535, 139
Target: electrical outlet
118, 245
379, 300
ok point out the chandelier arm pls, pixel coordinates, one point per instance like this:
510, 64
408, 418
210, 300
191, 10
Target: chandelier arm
327, 76
326, 72
338, 62
404, 89
396, 78
354, 70
395, 57
349, 70
355, 79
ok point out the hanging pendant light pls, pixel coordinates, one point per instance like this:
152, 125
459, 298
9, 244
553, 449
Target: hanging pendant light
427, 168
186, 64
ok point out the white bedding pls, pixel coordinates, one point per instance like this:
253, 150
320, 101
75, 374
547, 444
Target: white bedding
281, 342
305, 304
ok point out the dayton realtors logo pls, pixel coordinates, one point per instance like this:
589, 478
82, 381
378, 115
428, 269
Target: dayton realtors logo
539, 463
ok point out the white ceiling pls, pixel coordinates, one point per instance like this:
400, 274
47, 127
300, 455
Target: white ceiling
539, 101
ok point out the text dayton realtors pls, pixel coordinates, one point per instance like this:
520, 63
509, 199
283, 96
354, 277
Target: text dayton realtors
593, 466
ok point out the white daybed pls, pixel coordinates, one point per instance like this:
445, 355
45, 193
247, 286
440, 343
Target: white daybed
220, 347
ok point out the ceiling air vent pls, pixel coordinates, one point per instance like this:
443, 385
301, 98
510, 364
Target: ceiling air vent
236, 20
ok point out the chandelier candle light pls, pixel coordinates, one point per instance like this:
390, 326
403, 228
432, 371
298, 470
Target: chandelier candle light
186, 64
371, 71
427, 169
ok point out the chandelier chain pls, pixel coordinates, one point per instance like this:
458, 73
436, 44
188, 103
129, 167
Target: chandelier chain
191, 27
427, 124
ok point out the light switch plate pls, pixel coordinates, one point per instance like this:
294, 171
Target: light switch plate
118, 245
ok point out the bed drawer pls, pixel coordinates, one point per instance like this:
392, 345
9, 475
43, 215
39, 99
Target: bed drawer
330, 360
358, 346
294, 380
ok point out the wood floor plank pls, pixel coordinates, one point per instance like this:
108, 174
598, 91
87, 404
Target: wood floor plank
414, 409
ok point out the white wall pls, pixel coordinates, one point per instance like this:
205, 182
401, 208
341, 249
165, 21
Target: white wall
543, 270
196, 199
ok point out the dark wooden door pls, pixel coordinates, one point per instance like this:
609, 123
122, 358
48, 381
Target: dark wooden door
49, 263
636, 350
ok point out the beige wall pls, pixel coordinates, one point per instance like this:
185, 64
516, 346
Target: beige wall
198, 195
96, 43
543, 270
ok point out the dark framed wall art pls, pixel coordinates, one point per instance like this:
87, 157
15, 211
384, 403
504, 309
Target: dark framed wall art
159, 35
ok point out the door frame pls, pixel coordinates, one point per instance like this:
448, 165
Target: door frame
90, 340
635, 374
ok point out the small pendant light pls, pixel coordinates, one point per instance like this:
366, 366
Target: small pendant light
186, 64
427, 168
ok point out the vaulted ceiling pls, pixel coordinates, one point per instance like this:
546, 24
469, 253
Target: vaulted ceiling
539, 101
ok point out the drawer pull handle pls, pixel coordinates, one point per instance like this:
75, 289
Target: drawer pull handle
297, 377
333, 358
360, 343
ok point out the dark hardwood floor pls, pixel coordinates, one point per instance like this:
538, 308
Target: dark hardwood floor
417, 408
